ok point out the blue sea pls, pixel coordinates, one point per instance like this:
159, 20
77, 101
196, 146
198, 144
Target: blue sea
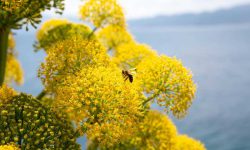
219, 57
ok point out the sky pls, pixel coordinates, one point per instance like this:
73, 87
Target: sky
135, 9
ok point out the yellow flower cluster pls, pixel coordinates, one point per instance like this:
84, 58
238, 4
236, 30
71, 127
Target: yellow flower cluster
57, 30
91, 89
131, 54
11, 42
168, 82
6, 94
101, 103
14, 70
86, 84
102, 12
9, 147
112, 36
184, 142
26, 122
67, 57
155, 132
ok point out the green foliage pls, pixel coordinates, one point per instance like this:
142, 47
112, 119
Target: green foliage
26, 122
15, 13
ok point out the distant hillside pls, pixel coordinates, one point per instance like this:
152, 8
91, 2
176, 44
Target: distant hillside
239, 14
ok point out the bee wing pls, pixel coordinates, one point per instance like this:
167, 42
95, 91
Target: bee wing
126, 78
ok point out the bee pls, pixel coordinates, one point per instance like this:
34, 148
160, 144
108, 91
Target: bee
128, 74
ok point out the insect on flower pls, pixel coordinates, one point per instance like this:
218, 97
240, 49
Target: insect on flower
128, 74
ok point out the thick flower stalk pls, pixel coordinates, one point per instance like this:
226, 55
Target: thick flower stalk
102, 12
27, 123
167, 82
55, 30
4, 35
113, 36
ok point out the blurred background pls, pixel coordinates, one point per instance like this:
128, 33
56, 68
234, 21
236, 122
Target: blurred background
211, 37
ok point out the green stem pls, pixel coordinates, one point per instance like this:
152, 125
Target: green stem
41, 95
147, 100
151, 98
77, 133
4, 34
92, 33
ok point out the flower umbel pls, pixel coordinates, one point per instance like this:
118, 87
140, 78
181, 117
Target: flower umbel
168, 82
101, 103
102, 12
67, 57
26, 122
14, 72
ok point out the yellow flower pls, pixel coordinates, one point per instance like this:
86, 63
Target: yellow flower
184, 142
13, 68
102, 12
155, 132
6, 94
129, 55
9, 147
11, 42
113, 36
167, 81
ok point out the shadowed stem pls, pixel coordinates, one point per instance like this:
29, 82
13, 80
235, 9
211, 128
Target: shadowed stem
151, 98
4, 34
92, 33
41, 95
